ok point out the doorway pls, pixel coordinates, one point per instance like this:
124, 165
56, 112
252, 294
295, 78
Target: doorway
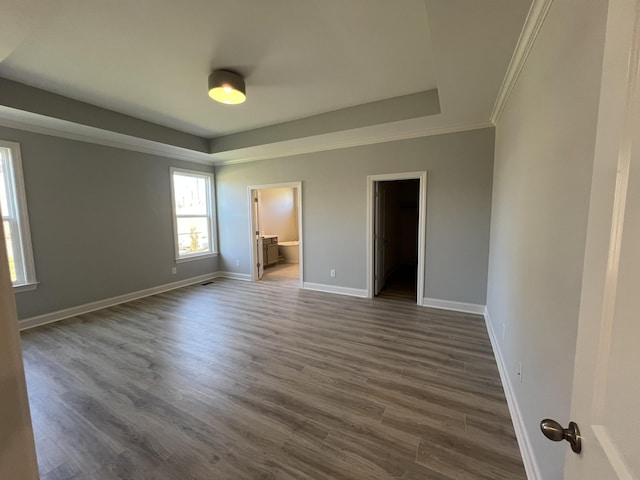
276, 233
396, 236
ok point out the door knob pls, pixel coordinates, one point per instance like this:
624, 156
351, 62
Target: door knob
554, 431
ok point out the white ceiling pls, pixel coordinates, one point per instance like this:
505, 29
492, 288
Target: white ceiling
151, 58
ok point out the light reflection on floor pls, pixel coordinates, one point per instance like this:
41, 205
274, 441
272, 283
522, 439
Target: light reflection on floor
285, 274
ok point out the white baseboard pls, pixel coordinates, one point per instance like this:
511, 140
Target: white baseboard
245, 277
320, 287
526, 449
455, 306
109, 302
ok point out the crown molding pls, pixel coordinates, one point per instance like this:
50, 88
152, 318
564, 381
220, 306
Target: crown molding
385, 114
532, 25
31, 122
323, 143
35, 123
382, 133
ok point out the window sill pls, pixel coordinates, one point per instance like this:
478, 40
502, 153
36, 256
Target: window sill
196, 257
25, 287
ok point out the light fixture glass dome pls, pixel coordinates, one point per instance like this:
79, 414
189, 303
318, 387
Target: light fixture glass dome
227, 87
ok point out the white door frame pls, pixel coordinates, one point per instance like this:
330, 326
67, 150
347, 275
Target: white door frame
422, 224
258, 243
250, 190
379, 237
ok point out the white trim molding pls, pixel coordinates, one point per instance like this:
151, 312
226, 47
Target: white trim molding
211, 213
17, 217
532, 25
251, 189
526, 449
27, 287
455, 306
422, 227
32, 122
245, 277
320, 287
394, 131
110, 302
334, 141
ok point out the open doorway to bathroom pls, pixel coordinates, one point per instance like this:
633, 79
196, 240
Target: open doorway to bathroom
396, 236
276, 233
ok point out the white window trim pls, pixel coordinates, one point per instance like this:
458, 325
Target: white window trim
22, 215
211, 212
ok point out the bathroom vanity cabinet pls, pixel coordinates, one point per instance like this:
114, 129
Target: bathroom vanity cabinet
270, 247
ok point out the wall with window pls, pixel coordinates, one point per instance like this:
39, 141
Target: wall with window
194, 226
101, 222
15, 218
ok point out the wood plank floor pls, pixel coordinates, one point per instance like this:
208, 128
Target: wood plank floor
284, 274
238, 380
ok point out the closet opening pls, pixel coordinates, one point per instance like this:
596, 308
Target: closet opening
396, 236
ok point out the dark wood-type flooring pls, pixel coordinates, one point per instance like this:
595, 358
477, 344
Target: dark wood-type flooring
238, 380
284, 274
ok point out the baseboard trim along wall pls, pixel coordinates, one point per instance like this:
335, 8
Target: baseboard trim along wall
109, 302
455, 306
320, 287
526, 450
245, 277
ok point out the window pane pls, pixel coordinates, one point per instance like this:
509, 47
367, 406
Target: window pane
4, 204
193, 235
9, 244
15, 221
190, 194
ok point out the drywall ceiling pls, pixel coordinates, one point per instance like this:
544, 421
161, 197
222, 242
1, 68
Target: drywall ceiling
150, 59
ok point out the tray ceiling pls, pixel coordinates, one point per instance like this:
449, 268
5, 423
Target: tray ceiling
320, 73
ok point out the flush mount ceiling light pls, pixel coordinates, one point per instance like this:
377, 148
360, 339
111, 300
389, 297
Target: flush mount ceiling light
227, 87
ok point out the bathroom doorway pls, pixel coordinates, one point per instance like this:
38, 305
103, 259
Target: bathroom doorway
396, 236
276, 233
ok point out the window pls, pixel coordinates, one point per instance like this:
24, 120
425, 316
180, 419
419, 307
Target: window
193, 214
15, 221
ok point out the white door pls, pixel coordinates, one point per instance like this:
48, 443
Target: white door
257, 234
18, 454
606, 391
378, 236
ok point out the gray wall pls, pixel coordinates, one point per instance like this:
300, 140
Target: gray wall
334, 187
542, 178
100, 222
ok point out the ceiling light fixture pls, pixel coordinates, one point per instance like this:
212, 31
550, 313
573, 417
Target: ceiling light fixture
227, 87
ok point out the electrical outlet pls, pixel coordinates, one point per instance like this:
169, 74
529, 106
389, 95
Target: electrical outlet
174, 270
520, 371
333, 273
237, 263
